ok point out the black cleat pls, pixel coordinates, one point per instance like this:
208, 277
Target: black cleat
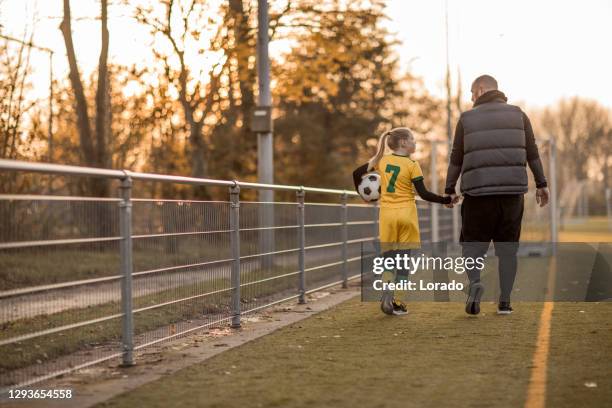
472, 306
504, 308
399, 308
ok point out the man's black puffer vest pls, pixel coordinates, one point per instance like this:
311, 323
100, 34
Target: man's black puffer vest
494, 149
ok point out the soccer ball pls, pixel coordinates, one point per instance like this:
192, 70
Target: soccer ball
369, 187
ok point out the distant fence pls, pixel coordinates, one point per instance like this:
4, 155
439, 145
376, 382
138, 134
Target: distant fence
84, 280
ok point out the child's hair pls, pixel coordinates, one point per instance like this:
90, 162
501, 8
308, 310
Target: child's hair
392, 139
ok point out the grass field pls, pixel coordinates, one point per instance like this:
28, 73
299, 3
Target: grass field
592, 229
352, 355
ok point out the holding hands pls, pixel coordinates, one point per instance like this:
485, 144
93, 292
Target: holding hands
454, 200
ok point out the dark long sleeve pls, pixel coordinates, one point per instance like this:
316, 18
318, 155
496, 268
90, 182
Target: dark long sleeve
533, 156
358, 174
456, 160
427, 195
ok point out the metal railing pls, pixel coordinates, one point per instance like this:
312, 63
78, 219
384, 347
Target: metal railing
84, 280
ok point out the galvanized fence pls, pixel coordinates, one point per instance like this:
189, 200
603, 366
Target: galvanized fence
84, 280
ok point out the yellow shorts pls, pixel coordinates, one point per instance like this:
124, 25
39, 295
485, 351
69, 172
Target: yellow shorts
400, 225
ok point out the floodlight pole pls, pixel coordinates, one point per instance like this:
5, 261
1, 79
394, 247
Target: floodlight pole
449, 129
435, 224
265, 164
448, 88
554, 212
265, 147
50, 127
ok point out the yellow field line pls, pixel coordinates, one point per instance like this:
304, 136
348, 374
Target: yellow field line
536, 393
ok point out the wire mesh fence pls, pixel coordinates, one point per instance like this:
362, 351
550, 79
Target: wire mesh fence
180, 267
539, 223
88, 279
59, 287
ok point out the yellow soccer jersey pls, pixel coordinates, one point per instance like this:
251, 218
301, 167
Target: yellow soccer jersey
396, 176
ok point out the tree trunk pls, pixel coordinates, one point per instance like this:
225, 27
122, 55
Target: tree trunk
246, 80
83, 124
197, 149
95, 154
242, 52
101, 187
102, 97
606, 172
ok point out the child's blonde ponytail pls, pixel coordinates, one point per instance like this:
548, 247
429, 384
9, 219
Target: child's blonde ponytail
382, 144
391, 139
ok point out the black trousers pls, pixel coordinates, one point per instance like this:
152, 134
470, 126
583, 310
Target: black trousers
494, 218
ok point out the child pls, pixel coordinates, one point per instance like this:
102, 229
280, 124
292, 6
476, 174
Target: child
398, 219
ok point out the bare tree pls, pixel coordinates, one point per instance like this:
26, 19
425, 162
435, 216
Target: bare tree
578, 124
583, 130
85, 133
94, 150
216, 104
102, 93
195, 96
13, 73
243, 49
14, 69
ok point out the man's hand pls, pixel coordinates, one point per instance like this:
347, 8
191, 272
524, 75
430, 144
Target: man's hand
454, 200
542, 196
450, 205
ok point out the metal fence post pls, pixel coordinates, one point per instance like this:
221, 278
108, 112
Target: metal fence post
235, 249
376, 235
344, 217
301, 244
609, 207
456, 223
439, 250
552, 162
433, 209
125, 227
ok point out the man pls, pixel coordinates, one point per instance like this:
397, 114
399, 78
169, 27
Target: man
493, 144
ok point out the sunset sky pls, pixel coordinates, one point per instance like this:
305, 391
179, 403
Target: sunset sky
539, 51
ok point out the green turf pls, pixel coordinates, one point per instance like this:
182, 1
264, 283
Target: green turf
352, 355
580, 353
590, 224
590, 229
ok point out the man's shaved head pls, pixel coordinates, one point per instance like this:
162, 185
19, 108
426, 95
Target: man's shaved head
485, 81
483, 84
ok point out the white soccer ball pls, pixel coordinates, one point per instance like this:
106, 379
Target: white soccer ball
369, 187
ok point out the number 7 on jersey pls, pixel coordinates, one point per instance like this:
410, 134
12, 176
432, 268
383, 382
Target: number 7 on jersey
395, 170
